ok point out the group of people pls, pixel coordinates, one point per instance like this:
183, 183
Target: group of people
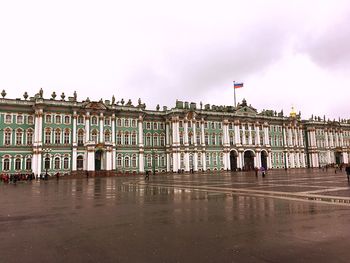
13, 178
262, 170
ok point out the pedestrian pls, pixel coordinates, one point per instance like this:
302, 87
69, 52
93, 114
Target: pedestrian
262, 171
147, 175
256, 171
347, 170
57, 175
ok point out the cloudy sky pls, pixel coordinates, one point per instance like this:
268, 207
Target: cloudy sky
286, 52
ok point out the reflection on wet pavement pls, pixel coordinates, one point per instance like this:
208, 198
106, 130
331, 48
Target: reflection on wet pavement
207, 217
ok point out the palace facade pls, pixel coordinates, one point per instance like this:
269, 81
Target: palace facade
68, 136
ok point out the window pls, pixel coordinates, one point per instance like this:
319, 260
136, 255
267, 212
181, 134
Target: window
94, 136
213, 125
66, 119
155, 126
119, 138
156, 160
127, 161
232, 138
30, 120
94, 120
19, 137
19, 119
6, 164
66, 136
149, 161
107, 136
80, 162
119, 122
18, 164
133, 123
107, 121
162, 160
47, 163
220, 139
48, 119
161, 126
181, 139
148, 126
119, 160
198, 138
207, 159
162, 140
133, 161
180, 124
215, 162
29, 164
58, 136
66, 163
126, 122
80, 137
182, 160
133, 138
58, 119
126, 138
221, 159
213, 139
155, 140
189, 124
148, 139
80, 120
199, 159
8, 118
57, 163
8, 135
206, 137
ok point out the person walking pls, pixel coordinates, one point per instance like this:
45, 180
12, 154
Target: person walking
347, 170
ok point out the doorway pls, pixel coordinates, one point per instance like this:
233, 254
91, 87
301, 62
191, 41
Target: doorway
233, 160
249, 160
264, 159
98, 160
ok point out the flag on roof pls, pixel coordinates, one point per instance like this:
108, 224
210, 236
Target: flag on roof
238, 85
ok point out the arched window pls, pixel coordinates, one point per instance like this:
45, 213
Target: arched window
133, 123
207, 159
80, 137
119, 138
66, 163
8, 118
127, 161
215, 161
48, 136
80, 120
119, 122
6, 164
80, 162
213, 139
181, 139
148, 139
30, 120
221, 159
126, 138
47, 163
220, 139
94, 135
182, 160
66, 119
94, 120
30, 137
48, 119
57, 163
107, 121
58, 119
162, 161
107, 136
156, 160
29, 164
19, 119
206, 137
198, 138
19, 135
162, 140
8, 135
190, 138
133, 161
133, 138
57, 136
126, 123
66, 136
155, 139
199, 159
232, 138
149, 160
18, 164
119, 161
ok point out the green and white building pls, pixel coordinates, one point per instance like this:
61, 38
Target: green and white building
68, 136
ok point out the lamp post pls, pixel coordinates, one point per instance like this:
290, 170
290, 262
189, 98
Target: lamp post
46, 151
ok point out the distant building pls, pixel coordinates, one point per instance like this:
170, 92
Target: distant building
53, 135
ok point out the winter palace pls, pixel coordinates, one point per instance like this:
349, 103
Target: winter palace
65, 135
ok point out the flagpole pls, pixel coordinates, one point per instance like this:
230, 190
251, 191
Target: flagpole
234, 89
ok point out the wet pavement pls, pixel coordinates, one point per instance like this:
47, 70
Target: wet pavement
293, 216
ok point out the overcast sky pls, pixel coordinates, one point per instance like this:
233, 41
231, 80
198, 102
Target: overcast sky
286, 52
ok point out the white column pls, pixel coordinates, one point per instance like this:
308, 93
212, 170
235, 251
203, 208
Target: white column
240, 160
167, 134
101, 139
301, 137
204, 161
187, 155
286, 159
257, 135
250, 135
74, 139
290, 137
292, 163
326, 139
87, 127
140, 144
168, 162
258, 159
195, 161
202, 133
341, 139
266, 132
269, 160
237, 134
114, 151
243, 138
109, 156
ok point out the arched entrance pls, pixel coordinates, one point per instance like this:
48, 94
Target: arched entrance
98, 160
249, 160
264, 159
233, 160
338, 158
